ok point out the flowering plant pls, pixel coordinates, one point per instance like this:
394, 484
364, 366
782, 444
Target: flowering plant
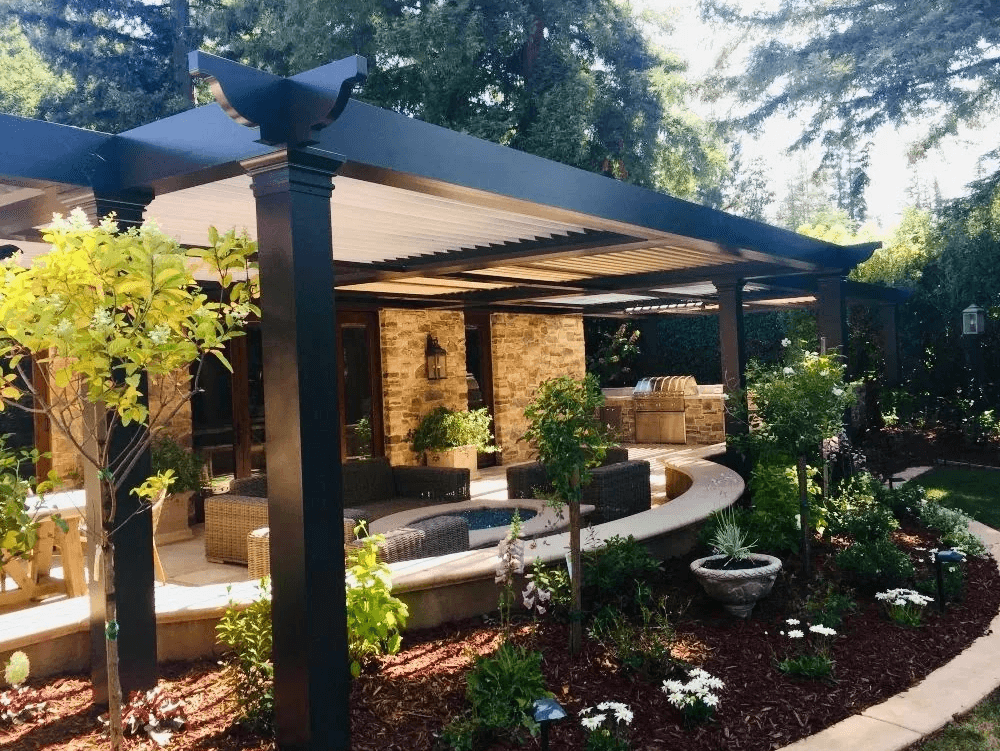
904, 606
812, 651
797, 405
604, 723
510, 563
697, 698
535, 597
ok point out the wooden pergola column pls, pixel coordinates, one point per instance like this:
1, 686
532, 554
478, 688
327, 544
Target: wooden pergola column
831, 317
133, 542
292, 189
890, 343
732, 348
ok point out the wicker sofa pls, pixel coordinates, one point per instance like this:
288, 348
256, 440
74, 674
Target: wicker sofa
616, 490
230, 517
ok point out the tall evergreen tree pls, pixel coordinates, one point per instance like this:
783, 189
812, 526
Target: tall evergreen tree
577, 81
123, 57
854, 66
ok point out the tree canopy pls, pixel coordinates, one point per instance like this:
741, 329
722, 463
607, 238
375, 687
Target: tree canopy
124, 59
854, 66
578, 82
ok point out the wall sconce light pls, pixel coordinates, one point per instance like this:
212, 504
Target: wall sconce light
973, 320
437, 360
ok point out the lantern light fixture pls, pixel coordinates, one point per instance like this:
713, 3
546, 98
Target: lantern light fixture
973, 320
437, 360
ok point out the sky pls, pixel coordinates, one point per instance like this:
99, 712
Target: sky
952, 165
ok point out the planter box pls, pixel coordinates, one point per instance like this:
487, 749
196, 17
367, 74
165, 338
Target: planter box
174, 519
464, 457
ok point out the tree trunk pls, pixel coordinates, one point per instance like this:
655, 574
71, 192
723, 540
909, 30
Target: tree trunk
576, 616
804, 518
111, 646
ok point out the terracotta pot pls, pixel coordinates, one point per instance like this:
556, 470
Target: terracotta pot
737, 589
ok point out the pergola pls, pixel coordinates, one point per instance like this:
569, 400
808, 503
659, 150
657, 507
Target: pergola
355, 204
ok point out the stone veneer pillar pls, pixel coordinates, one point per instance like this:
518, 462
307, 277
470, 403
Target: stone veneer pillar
528, 349
407, 394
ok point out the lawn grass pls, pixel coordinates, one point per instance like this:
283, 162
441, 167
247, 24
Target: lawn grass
977, 731
974, 491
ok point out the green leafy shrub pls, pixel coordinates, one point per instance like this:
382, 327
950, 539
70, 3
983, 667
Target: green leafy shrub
863, 524
16, 670
18, 529
250, 672
953, 526
611, 573
617, 575
807, 665
187, 465
374, 616
500, 689
642, 647
905, 500
828, 604
953, 579
442, 428
875, 565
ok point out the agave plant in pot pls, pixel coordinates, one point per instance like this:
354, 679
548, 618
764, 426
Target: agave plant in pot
735, 576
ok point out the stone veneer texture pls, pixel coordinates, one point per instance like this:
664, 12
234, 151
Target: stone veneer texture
407, 395
527, 350
67, 462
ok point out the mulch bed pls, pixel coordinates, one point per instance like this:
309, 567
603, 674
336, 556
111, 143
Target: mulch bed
405, 705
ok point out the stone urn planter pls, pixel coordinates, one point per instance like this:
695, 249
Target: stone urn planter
738, 589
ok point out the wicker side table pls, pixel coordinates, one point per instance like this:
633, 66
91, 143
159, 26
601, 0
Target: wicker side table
259, 553
228, 521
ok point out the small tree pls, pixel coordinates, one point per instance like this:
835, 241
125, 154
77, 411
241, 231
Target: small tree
796, 406
564, 428
99, 311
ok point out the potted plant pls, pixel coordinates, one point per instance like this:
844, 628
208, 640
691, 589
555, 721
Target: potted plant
735, 576
179, 505
450, 438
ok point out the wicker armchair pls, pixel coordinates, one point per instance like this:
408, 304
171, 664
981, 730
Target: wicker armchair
615, 490
229, 518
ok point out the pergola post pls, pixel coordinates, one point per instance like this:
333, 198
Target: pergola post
831, 317
733, 355
292, 189
133, 541
890, 343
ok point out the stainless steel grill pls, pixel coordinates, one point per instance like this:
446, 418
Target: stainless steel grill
659, 408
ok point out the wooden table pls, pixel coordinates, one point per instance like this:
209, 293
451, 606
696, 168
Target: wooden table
32, 574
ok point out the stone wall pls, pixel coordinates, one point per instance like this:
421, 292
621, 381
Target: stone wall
67, 462
527, 350
407, 395
705, 419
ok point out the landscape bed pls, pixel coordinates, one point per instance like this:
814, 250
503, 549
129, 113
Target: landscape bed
405, 704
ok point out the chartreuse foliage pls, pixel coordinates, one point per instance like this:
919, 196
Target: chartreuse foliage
104, 306
250, 672
374, 616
